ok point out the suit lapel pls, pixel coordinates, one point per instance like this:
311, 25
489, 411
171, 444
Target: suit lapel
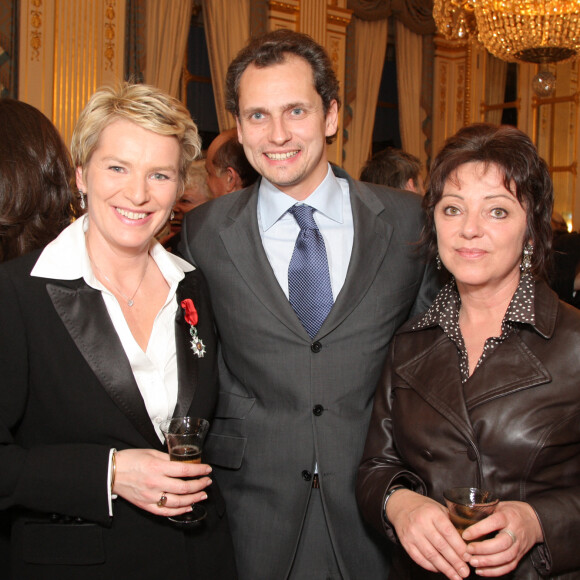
84, 314
187, 362
370, 242
243, 243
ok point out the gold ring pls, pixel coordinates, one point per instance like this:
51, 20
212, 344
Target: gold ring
510, 534
162, 500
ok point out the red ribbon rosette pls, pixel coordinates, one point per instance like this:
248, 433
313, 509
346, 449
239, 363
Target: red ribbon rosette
190, 311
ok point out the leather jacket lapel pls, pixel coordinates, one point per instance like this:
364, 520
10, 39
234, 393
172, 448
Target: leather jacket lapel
512, 367
84, 314
187, 362
443, 389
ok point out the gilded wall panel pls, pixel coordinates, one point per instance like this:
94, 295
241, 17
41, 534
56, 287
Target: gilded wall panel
68, 49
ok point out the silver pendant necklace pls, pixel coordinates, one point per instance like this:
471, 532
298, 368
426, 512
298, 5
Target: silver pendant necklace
130, 300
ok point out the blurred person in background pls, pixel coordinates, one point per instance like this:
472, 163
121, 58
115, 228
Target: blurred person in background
226, 164
394, 168
565, 280
36, 200
196, 192
36, 178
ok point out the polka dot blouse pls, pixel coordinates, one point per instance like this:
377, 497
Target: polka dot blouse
444, 312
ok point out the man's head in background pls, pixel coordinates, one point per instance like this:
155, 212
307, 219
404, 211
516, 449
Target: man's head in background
227, 166
395, 168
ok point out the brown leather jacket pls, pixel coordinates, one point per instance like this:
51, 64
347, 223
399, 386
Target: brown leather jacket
517, 431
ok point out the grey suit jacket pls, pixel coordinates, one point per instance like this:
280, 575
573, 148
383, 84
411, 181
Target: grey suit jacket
288, 402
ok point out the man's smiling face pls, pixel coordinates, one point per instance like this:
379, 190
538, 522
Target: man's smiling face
283, 127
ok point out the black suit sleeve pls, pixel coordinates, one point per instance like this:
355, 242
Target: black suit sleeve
66, 478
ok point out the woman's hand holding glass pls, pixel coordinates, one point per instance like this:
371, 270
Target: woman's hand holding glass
428, 536
144, 475
518, 530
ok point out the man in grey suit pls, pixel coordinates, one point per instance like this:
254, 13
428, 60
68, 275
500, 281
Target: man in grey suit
294, 408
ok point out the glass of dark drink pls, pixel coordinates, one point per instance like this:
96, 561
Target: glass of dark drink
469, 505
185, 437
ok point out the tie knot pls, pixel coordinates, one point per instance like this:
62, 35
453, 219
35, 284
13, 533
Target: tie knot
303, 215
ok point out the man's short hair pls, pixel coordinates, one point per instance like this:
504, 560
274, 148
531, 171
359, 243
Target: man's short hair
273, 48
392, 167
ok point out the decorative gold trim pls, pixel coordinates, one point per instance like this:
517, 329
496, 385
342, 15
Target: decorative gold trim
334, 53
36, 34
460, 93
283, 7
341, 16
109, 51
467, 104
449, 46
442, 91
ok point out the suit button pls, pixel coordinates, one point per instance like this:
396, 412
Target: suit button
471, 454
306, 475
318, 410
316, 347
427, 455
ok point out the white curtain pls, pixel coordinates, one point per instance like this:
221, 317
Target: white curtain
495, 81
167, 28
370, 48
227, 29
409, 67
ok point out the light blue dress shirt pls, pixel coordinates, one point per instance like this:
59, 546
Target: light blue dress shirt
333, 215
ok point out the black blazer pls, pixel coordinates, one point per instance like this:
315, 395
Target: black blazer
67, 396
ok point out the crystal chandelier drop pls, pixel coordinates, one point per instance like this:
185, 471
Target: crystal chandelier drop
455, 19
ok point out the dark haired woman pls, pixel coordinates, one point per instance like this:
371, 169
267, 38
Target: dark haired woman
483, 389
36, 175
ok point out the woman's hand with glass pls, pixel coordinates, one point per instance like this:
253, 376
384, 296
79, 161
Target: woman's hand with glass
143, 476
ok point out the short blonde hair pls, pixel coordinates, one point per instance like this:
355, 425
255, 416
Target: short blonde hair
146, 106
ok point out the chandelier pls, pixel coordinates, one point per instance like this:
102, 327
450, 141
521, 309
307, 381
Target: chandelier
539, 31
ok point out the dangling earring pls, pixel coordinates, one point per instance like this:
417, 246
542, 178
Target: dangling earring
438, 262
82, 203
172, 216
526, 264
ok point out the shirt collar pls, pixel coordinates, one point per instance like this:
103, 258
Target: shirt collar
66, 258
445, 308
326, 198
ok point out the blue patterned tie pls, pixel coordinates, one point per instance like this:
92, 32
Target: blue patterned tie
309, 289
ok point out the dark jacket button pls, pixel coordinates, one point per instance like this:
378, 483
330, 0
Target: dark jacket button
318, 410
471, 454
427, 455
306, 475
315, 347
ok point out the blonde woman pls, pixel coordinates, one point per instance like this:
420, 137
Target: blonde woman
95, 350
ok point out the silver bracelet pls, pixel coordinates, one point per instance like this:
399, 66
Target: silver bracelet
391, 491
